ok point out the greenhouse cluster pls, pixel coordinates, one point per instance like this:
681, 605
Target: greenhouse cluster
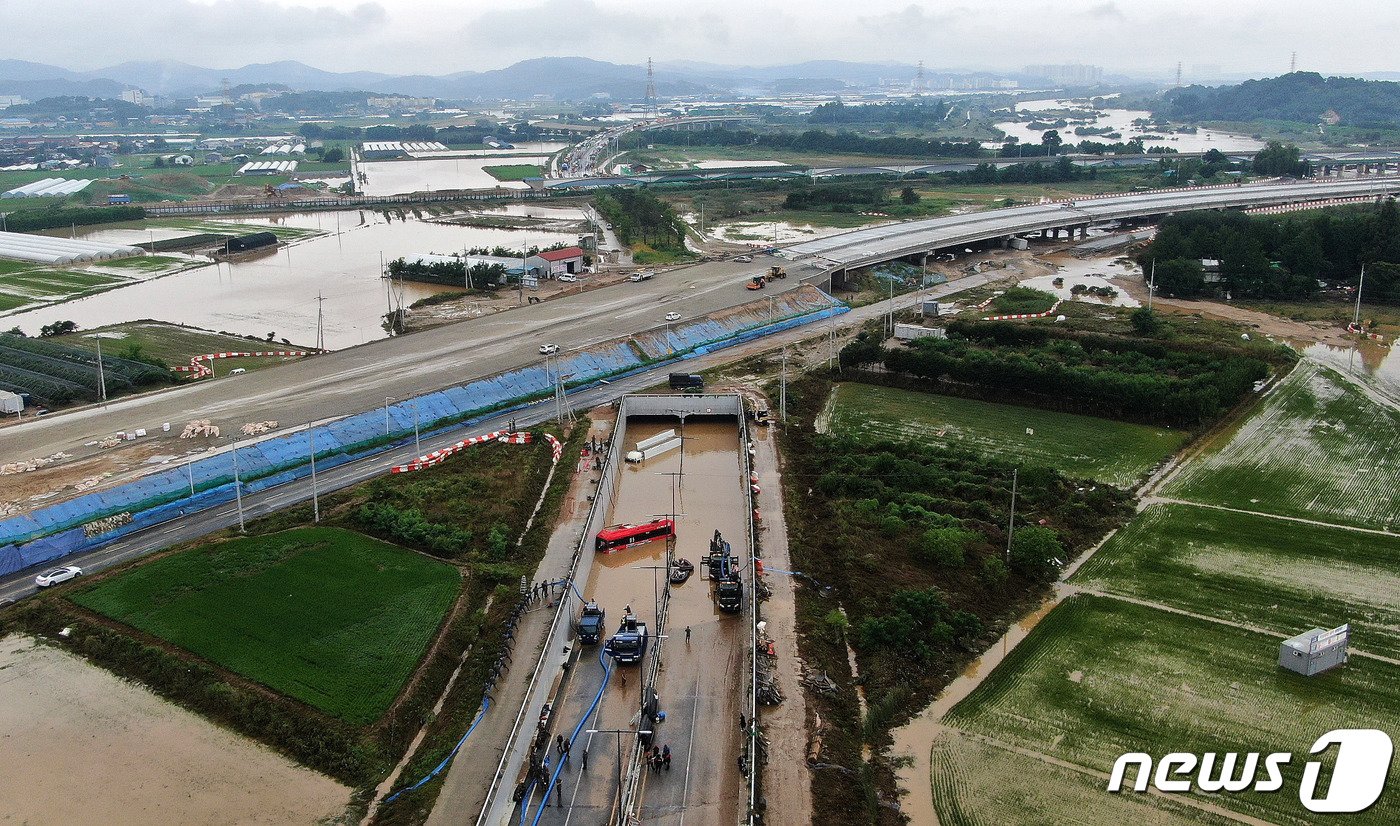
42, 249
284, 149
267, 168
46, 187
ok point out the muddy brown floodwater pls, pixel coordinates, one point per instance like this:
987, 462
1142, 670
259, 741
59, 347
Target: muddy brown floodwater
83, 746
277, 291
699, 683
914, 740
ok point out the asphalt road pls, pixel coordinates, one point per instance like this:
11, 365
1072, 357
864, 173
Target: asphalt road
359, 378
195, 525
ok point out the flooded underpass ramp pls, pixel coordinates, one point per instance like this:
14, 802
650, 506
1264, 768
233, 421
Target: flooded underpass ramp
689, 692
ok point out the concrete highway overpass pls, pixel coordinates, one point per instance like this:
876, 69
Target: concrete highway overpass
888, 242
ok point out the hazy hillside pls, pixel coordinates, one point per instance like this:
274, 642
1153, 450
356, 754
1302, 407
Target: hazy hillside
1305, 97
563, 78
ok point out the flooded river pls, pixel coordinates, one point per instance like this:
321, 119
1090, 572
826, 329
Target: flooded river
1121, 121
276, 291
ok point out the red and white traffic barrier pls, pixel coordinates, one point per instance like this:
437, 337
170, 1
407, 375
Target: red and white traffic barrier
200, 369
437, 457
1352, 328
1050, 311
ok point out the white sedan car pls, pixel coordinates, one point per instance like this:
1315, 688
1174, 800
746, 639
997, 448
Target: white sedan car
548, 349
57, 575
568, 279
673, 316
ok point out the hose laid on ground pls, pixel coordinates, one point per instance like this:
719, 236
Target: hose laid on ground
607, 664
485, 705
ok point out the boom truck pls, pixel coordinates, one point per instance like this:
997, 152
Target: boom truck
724, 572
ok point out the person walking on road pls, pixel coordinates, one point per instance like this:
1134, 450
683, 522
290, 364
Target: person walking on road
687, 633
666, 756
742, 721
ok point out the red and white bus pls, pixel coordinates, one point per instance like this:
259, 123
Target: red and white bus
625, 536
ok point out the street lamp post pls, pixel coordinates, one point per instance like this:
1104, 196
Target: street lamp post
416, 447
238, 488
618, 732
315, 497
655, 587
387, 399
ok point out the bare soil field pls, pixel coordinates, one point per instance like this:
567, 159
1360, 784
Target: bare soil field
82, 746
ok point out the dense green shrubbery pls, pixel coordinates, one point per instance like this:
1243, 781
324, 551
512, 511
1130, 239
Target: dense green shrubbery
817, 140
638, 216
1279, 256
836, 196
410, 527
52, 217
1108, 375
447, 273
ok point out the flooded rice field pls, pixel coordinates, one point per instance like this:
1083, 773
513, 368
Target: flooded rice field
437, 174
1093, 273
769, 232
914, 740
1373, 364
276, 291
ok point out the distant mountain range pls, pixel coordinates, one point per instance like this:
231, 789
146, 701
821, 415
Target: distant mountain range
562, 78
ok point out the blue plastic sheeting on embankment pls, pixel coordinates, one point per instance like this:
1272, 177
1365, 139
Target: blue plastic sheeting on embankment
56, 531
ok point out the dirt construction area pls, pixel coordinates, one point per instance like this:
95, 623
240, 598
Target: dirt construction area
79, 745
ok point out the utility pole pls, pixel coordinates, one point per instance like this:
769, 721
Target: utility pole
387, 399
1356, 317
782, 392
1011, 522
238, 488
102, 377
315, 495
890, 312
320, 324
1151, 285
416, 446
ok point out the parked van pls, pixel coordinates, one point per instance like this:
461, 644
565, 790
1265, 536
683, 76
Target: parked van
687, 381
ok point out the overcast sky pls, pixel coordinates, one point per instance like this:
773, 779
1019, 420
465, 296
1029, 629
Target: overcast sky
443, 36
